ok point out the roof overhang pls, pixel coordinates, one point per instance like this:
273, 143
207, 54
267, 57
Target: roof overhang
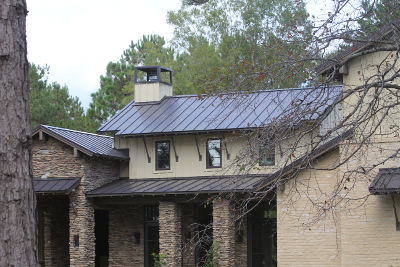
387, 181
175, 186
55, 186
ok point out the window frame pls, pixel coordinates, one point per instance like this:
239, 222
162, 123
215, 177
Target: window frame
208, 165
264, 156
157, 156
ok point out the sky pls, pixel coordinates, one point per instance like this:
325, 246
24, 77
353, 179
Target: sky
77, 38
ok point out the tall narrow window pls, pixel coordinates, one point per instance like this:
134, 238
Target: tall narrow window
151, 235
261, 236
163, 155
214, 153
267, 154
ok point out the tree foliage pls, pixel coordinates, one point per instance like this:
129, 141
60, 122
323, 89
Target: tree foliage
116, 86
51, 104
220, 35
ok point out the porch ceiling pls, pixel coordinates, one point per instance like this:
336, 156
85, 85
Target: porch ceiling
62, 185
165, 186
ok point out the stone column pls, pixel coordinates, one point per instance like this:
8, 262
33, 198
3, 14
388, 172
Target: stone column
81, 230
170, 233
224, 233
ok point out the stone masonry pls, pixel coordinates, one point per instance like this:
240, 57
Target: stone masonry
125, 221
170, 233
224, 232
52, 158
55, 222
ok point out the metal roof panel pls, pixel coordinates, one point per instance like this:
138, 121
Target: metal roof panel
227, 112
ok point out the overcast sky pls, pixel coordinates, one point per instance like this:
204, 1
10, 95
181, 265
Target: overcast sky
77, 38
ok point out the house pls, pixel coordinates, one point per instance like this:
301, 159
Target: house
170, 180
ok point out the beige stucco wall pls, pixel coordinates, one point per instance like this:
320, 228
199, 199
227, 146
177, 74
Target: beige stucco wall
189, 165
367, 70
151, 91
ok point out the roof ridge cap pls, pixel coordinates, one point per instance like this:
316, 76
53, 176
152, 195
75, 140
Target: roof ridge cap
76, 131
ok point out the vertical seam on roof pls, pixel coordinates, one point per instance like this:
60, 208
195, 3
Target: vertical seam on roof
125, 109
147, 120
169, 109
184, 126
253, 96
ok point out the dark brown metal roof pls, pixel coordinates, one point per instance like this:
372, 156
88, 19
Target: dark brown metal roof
370, 41
88, 143
223, 113
63, 185
164, 186
386, 181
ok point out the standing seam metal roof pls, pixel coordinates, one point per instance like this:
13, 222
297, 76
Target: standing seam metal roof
88, 143
191, 185
386, 181
63, 185
227, 112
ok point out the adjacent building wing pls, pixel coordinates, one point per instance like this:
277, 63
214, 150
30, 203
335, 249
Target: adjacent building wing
88, 143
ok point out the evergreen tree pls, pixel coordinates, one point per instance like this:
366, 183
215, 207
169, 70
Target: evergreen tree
376, 14
224, 40
51, 104
116, 86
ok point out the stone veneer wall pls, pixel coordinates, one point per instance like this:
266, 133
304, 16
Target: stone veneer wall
56, 221
53, 158
170, 233
124, 222
224, 232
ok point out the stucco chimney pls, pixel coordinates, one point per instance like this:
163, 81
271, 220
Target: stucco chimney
152, 83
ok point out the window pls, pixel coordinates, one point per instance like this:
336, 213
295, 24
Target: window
163, 155
261, 236
151, 235
267, 154
214, 153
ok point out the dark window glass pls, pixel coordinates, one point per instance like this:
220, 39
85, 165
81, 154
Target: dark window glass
262, 236
151, 213
204, 234
151, 235
162, 155
214, 153
267, 154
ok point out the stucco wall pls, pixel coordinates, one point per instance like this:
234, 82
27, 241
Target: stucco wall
189, 165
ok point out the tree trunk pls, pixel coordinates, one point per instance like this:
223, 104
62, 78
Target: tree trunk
18, 237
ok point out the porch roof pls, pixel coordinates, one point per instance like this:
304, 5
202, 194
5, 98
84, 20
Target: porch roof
189, 185
386, 181
59, 185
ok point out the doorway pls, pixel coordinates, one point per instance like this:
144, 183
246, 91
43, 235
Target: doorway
261, 230
101, 228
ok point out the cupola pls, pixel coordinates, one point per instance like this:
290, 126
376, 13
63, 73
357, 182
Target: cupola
152, 83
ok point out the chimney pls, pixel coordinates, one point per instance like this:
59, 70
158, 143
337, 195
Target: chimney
152, 83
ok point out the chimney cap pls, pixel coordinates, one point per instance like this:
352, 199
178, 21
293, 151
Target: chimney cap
153, 74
